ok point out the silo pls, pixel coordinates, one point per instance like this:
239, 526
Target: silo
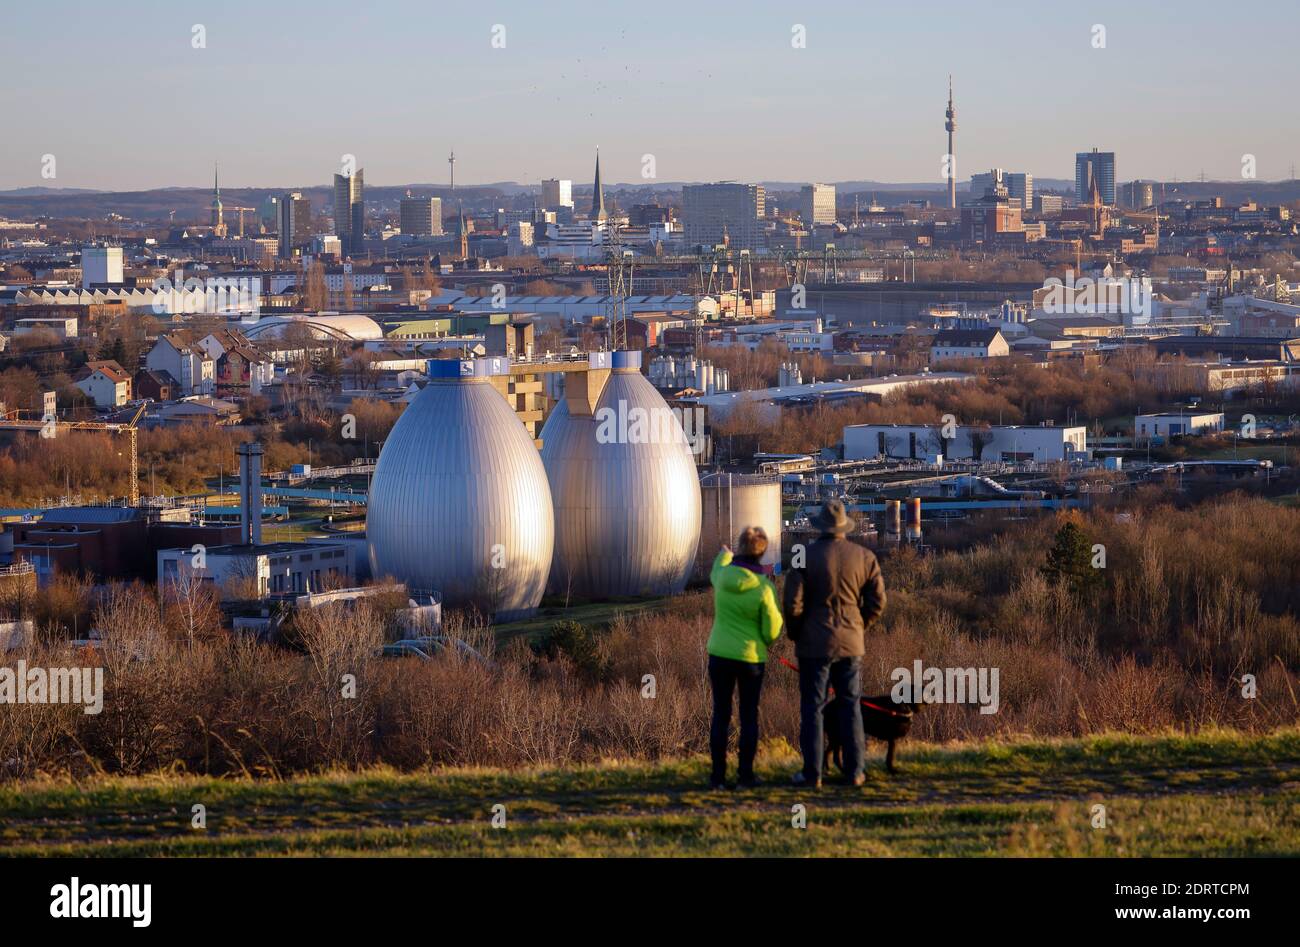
626, 495
459, 503
731, 502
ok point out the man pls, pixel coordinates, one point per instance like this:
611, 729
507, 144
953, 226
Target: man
829, 602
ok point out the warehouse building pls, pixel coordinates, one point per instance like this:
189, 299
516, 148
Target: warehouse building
989, 443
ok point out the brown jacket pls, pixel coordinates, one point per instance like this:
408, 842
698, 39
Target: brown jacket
831, 600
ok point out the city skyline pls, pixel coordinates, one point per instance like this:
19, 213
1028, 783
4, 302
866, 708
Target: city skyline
863, 101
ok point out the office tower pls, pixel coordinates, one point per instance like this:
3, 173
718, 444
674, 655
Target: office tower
950, 125
350, 211
100, 266
557, 194
597, 195
421, 216
1098, 164
218, 220
981, 184
817, 204
1020, 184
710, 210
295, 223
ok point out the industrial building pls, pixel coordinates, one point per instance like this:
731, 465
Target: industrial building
1147, 426
109, 542
988, 443
768, 402
268, 568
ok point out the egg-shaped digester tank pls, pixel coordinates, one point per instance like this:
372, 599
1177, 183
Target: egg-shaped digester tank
459, 503
625, 489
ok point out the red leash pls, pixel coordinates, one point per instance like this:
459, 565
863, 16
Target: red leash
865, 703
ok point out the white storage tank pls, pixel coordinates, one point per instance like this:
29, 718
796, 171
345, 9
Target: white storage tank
731, 502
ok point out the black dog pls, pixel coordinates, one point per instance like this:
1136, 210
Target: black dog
882, 718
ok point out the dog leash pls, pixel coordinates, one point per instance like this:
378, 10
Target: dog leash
865, 703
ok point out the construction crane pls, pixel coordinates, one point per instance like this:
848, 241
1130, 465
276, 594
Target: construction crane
242, 210
11, 421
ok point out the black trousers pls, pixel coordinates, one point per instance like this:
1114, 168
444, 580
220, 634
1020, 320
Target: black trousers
726, 676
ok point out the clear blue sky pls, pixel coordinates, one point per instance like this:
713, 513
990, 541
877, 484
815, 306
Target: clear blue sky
117, 93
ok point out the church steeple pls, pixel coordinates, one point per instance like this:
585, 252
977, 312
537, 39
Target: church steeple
218, 216
598, 194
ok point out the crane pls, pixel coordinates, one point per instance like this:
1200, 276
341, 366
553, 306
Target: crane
129, 428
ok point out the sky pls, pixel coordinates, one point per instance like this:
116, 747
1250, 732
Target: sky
283, 89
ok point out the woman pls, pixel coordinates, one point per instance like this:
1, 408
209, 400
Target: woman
746, 620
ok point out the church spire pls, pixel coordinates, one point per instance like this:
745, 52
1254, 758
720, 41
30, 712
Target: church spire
598, 194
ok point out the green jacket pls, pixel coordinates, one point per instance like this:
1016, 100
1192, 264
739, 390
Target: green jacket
746, 617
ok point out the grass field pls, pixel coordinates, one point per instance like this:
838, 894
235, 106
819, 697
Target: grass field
1212, 795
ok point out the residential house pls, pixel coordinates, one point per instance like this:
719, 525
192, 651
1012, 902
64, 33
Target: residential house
193, 369
158, 385
106, 383
968, 343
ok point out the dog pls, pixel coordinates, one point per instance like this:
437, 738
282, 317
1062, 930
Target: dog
882, 719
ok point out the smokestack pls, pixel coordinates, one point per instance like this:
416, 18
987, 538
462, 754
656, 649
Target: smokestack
250, 494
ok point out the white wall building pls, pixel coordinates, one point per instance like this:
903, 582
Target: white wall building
994, 443
1147, 426
557, 193
101, 265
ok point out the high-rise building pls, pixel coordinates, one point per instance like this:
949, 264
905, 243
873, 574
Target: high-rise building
710, 210
100, 266
421, 216
1021, 184
1098, 164
350, 211
294, 224
1018, 185
556, 194
817, 204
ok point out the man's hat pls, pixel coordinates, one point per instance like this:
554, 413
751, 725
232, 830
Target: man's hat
832, 518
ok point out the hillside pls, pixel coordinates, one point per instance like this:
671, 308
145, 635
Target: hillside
1220, 794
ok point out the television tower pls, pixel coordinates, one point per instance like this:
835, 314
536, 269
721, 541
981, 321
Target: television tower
951, 126
451, 161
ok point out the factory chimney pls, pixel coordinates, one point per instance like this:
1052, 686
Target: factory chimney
250, 494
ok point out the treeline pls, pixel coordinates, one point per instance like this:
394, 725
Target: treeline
178, 459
